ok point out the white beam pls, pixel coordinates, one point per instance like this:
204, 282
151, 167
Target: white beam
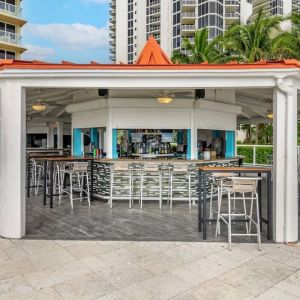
12, 161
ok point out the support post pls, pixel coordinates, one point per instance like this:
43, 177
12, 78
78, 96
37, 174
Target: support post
50, 136
12, 160
60, 135
285, 163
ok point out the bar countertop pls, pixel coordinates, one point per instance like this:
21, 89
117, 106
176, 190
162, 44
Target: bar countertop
173, 160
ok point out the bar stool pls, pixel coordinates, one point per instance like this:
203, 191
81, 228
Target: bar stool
78, 172
180, 182
136, 169
218, 181
151, 181
245, 189
120, 183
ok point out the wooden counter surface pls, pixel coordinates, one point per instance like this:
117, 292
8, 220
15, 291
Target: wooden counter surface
235, 169
173, 160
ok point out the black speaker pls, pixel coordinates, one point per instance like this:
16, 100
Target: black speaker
102, 92
200, 93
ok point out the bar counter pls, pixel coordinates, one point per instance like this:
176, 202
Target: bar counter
168, 161
102, 169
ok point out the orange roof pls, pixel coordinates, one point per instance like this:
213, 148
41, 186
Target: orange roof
39, 65
152, 54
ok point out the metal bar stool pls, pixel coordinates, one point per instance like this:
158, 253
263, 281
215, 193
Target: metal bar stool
151, 182
245, 189
181, 184
120, 183
218, 181
78, 172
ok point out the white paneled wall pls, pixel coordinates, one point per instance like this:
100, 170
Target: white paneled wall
217, 120
147, 118
90, 119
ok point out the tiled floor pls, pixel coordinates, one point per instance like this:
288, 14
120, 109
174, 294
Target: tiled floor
103, 270
120, 223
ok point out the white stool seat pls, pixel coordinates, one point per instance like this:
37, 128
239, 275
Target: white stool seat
245, 189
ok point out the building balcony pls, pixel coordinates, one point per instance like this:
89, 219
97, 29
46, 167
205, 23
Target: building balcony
188, 3
188, 29
112, 50
112, 4
11, 9
154, 3
10, 38
154, 12
112, 42
112, 27
188, 18
154, 20
154, 30
232, 5
11, 14
112, 34
232, 16
232, 2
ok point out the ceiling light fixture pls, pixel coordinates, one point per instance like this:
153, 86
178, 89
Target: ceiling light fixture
164, 100
39, 107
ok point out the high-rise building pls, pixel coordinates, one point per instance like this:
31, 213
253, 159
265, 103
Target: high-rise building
169, 21
276, 7
11, 22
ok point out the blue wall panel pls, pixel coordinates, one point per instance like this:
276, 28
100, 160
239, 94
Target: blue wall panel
94, 137
230, 144
77, 142
189, 144
114, 143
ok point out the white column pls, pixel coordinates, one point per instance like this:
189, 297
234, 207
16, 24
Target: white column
60, 135
285, 163
12, 160
50, 136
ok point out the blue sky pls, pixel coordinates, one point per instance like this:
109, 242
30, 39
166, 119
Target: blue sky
74, 30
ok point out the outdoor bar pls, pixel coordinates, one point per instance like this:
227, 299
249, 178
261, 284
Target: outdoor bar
149, 141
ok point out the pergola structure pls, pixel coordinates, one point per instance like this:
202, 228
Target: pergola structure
255, 89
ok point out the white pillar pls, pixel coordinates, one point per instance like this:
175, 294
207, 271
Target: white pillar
60, 135
50, 136
12, 160
285, 163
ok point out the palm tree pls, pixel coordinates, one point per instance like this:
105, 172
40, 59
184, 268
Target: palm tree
254, 41
202, 50
288, 42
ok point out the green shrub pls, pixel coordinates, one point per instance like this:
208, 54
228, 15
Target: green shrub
264, 155
247, 152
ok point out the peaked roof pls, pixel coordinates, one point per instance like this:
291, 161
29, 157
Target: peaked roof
152, 54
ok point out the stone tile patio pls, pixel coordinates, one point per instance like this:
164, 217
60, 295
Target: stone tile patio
69, 269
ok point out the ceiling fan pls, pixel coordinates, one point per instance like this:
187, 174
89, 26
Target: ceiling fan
167, 96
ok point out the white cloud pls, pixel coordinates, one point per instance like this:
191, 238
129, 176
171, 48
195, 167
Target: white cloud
70, 36
35, 52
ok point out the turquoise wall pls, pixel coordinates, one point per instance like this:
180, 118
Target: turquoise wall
94, 137
77, 142
189, 144
230, 144
114, 143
